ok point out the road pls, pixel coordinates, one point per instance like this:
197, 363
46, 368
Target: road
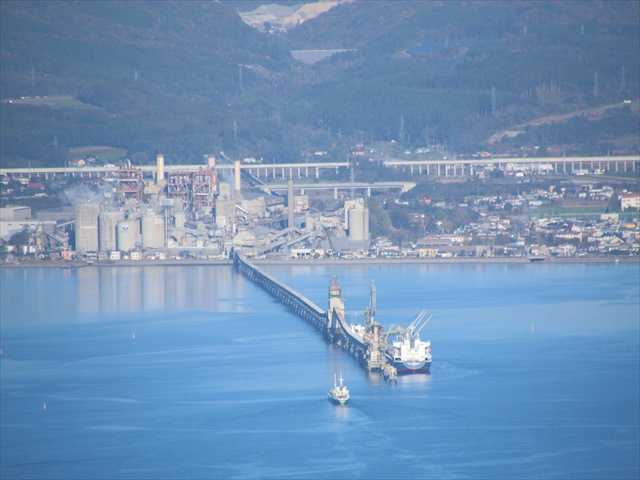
515, 130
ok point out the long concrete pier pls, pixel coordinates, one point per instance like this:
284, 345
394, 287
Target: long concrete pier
364, 343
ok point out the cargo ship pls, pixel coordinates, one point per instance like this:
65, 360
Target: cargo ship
406, 352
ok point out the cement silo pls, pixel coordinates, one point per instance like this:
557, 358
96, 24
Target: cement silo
107, 224
127, 235
159, 168
86, 224
152, 230
359, 223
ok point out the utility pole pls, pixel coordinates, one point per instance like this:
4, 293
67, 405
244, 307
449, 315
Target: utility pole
352, 175
290, 207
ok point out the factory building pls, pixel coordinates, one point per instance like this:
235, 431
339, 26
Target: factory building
255, 206
629, 201
203, 190
225, 211
15, 212
153, 230
225, 190
196, 190
8, 228
130, 182
86, 222
301, 203
107, 223
128, 235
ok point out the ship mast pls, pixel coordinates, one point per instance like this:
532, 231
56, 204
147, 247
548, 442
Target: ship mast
370, 312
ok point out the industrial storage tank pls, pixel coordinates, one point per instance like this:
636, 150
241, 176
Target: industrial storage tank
107, 224
86, 225
359, 223
179, 220
152, 230
128, 235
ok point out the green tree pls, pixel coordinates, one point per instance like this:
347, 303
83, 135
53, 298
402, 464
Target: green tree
379, 221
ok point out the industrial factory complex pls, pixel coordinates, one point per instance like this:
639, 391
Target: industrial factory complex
316, 210
187, 213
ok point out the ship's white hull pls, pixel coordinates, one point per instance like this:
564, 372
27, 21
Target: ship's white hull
407, 368
338, 401
410, 356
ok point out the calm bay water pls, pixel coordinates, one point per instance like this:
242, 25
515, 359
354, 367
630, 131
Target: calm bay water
151, 372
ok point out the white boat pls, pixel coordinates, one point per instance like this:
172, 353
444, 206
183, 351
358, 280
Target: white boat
339, 393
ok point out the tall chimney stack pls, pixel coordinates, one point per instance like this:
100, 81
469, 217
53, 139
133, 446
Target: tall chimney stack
236, 178
159, 168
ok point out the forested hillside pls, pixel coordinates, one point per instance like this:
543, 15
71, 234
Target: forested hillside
191, 77
456, 70
159, 75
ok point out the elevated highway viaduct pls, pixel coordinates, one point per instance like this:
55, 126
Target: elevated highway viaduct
264, 170
559, 165
367, 187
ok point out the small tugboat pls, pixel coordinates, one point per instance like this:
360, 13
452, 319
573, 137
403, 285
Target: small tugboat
339, 393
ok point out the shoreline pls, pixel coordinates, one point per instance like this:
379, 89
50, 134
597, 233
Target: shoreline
459, 260
325, 261
122, 263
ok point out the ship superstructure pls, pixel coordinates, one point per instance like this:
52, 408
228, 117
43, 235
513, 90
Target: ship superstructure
339, 393
406, 352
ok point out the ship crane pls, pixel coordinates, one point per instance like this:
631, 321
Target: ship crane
370, 311
412, 331
417, 325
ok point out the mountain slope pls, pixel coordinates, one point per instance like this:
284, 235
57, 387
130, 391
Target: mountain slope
458, 70
192, 77
161, 73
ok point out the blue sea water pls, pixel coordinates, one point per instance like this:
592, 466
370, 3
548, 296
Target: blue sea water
193, 372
